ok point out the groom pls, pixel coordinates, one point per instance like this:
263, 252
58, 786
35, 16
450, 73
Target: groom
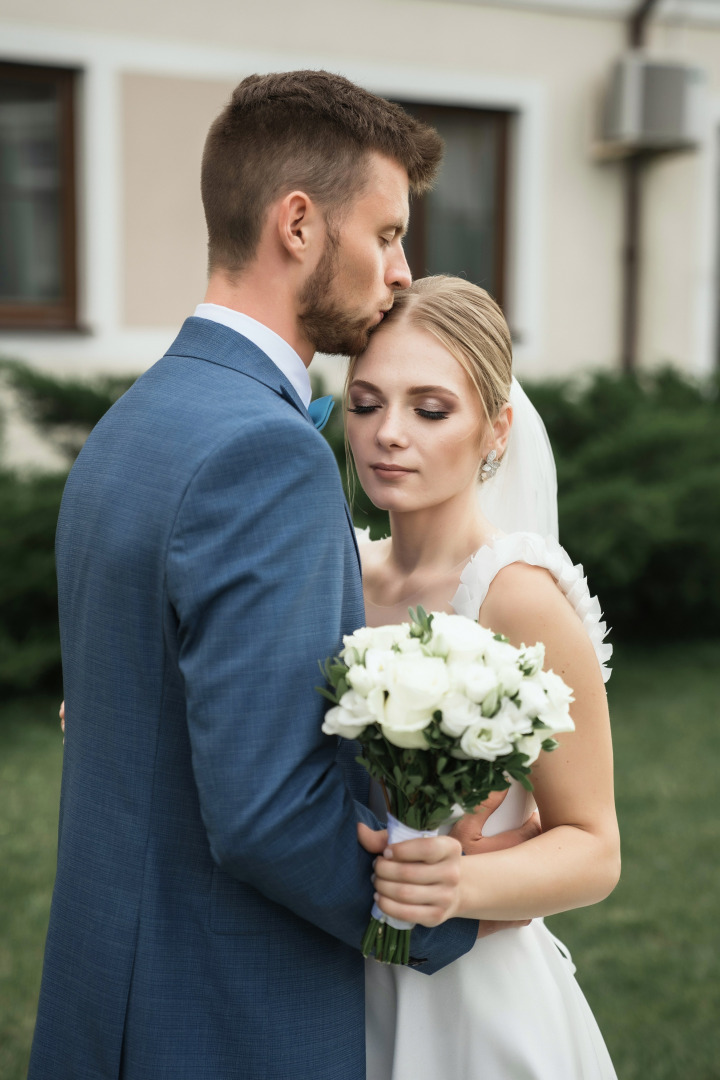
211, 894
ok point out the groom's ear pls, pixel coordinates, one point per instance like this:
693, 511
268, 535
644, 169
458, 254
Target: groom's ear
300, 226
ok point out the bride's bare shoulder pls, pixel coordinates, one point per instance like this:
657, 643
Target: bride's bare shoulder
524, 602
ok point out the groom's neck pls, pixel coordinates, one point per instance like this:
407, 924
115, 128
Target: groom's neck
265, 297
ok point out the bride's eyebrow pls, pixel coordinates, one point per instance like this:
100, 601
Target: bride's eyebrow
365, 385
415, 391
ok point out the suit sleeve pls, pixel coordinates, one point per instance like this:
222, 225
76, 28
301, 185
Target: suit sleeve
256, 569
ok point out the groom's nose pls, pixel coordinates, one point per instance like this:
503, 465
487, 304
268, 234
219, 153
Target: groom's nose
398, 275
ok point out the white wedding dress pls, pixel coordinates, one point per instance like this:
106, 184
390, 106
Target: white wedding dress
510, 1009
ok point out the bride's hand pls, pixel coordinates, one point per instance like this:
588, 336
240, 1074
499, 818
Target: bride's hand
62, 716
469, 829
420, 880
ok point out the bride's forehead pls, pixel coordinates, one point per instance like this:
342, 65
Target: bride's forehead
407, 352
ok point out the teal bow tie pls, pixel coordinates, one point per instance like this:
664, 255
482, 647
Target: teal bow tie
320, 410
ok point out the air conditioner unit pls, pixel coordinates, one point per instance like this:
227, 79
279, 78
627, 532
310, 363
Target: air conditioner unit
653, 104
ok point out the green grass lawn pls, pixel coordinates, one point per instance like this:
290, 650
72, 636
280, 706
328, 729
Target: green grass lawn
648, 958
30, 763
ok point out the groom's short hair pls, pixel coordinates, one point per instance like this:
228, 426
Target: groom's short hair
307, 130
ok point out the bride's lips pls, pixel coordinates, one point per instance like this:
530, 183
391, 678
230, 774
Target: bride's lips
383, 469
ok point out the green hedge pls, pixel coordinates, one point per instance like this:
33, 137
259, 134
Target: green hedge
639, 491
639, 496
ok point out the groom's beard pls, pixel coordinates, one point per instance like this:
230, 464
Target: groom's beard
329, 327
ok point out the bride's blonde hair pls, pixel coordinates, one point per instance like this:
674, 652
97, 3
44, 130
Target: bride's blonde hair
468, 323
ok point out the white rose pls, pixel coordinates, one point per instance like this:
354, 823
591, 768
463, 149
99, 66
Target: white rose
481, 681
348, 719
379, 663
556, 713
531, 745
355, 645
457, 638
409, 645
513, 720
361, 679
458, 713
532, 658
532, 698
510, 678
487, 740
416, 686
500, 653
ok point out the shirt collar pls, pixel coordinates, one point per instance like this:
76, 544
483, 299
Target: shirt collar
275, 347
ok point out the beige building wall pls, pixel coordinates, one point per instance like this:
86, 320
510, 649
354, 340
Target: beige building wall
164, 123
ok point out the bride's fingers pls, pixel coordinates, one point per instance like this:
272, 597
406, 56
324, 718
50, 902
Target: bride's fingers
420, 874
432, 914
372, 841
428, 849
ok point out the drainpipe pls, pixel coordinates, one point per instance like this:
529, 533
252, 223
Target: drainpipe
637, 24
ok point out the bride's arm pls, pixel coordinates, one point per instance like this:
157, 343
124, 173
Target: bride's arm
576, 859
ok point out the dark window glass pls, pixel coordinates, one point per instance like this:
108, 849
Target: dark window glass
37, 198
459, 227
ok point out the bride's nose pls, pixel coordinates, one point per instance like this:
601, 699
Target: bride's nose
391, 430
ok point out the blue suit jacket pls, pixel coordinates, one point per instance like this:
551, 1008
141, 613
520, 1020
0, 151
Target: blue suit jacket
210, 895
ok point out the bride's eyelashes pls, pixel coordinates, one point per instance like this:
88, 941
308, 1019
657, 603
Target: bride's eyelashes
431, 414
427, 414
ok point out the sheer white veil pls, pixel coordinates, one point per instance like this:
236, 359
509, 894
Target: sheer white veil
522, 496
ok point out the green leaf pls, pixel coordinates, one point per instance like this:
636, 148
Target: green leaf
327, 694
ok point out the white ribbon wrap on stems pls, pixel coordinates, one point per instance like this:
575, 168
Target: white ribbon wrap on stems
396, 833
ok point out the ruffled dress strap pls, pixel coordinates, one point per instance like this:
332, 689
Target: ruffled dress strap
535, 550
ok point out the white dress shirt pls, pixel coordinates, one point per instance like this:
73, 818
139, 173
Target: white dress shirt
275, 347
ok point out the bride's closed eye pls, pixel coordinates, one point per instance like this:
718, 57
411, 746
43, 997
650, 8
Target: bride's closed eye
432, 414
362, 410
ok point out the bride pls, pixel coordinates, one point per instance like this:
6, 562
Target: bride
432, 415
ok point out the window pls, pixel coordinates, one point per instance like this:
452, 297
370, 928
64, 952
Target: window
459, 227
37, 198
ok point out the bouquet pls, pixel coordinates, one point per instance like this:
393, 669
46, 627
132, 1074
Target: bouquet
446, 712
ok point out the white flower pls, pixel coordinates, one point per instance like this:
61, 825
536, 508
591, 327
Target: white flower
361, 679
379, 663
486, 740
556, 713
457, 638
458, 713
510, 678
370, 637
409, 645
513, 720
416, 686
480, 682
531, 745
532, 699
532, 658
350, 718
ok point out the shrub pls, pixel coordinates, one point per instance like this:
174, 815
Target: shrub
639, 496
29, 643
64, 410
